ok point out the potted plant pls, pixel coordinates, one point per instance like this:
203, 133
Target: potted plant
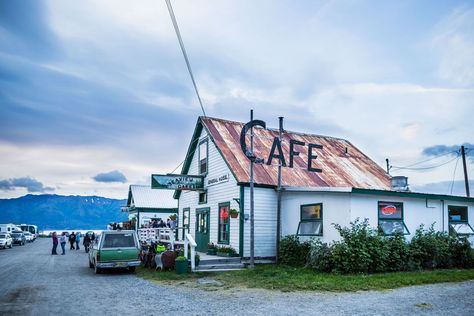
226, 251
181, 264
197, 259
173, 217
233, 213
211, 249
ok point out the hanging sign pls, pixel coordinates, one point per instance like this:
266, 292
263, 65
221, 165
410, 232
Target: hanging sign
217, 180
176, 182
276, 151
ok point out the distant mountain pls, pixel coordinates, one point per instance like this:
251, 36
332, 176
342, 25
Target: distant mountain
51, 211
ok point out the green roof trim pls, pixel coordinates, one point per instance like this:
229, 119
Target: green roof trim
153, 210
414, 195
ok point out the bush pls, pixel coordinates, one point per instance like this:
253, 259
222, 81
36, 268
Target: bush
462, 255
398, 253
293, 252
320, 256
361, 249
430, 249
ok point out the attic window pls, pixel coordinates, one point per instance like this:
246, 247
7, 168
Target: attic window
458, 220
203, 150
390, 216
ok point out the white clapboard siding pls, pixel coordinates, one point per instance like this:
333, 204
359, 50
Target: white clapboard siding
219, 193
265, 205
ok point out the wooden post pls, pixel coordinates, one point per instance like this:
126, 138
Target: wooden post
252, 224
466, 179
278, 228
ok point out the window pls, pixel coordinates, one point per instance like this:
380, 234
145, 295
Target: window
119, 241
311, 220
203, 197
458, 221
390, 216
224, 223
203, 157
186, 214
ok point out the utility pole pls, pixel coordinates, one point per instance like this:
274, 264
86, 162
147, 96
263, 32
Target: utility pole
388, 165
252, 225
278, 233
466, 179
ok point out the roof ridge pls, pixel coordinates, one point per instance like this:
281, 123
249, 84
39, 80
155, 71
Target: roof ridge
276, 129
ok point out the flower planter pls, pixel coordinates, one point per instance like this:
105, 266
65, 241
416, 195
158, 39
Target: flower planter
234, 215
181, 266
212, 251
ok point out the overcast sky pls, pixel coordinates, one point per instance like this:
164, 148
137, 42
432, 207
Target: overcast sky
95, 95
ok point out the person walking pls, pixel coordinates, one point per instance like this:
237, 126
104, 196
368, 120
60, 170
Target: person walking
72, 240
62, 240
86, 242
78, 240
55, 244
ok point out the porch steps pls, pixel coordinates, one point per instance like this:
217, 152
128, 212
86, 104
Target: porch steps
219, 264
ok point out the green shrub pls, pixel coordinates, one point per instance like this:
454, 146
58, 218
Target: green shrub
293, 252
430, 249
320, 256
461, 253
398, 253
361, 249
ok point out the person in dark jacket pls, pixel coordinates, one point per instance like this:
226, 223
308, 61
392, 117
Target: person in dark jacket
55, 244
86, 242
72, 240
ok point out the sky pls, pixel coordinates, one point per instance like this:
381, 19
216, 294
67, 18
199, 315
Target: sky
95, 95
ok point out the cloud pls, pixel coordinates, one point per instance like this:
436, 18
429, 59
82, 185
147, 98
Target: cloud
112, 176
30, 184
444, 187
454, 150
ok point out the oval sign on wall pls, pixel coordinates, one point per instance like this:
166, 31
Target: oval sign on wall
389, 210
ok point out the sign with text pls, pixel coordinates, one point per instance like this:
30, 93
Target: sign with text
176, 182
217, 180
276, 152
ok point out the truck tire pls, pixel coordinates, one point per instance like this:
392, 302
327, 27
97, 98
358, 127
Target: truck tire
97, 270
131, 269
91, 265
11, 245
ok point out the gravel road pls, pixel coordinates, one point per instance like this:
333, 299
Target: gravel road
32, 282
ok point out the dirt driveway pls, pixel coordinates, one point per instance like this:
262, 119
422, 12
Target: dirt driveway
32, 282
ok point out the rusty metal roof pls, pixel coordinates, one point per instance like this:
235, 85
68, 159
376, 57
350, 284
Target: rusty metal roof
342, 164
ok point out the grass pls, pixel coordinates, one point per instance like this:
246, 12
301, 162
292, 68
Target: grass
290, 279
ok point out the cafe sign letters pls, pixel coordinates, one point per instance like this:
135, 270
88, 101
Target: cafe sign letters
176, 182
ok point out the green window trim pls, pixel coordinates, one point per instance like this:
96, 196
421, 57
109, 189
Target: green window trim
199, 197
391, 221
305, 222
186, 214
201, 172
227, 225
461, 222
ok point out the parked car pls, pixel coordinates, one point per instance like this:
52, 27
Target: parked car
28, 236
18, 238
115, 249
5, 241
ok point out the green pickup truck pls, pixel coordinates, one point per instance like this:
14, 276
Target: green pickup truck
115, 249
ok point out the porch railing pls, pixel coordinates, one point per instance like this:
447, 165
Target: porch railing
189, 241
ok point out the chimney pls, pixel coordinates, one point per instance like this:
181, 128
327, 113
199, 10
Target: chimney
400, 183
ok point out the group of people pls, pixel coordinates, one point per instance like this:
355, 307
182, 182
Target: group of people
74, 240
114, 226
159, 223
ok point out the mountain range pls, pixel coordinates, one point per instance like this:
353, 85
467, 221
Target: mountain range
51, 211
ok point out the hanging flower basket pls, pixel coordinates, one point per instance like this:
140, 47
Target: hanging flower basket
233, 213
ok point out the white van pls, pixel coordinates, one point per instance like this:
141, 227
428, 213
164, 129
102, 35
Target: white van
9, 228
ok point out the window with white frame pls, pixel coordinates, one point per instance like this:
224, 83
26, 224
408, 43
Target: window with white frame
458, 220
203, 150
390, 218
311, 220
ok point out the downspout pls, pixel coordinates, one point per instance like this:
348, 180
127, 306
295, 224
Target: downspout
442, 213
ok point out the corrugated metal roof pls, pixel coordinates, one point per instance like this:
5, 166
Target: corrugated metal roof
146, 197
342, 163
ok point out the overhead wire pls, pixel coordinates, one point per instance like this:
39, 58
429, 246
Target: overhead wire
454, 175
183, 49
430, 159
430, 167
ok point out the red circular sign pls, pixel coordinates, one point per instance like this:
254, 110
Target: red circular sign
389, 210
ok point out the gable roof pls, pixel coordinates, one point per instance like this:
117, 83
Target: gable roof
342, 163
143, 196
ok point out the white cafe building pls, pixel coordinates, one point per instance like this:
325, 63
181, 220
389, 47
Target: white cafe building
343, 185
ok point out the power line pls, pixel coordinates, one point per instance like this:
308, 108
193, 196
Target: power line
433, 158
454, 174
185, 55
430, 167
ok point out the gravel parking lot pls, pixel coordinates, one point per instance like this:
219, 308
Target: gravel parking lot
35, 283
